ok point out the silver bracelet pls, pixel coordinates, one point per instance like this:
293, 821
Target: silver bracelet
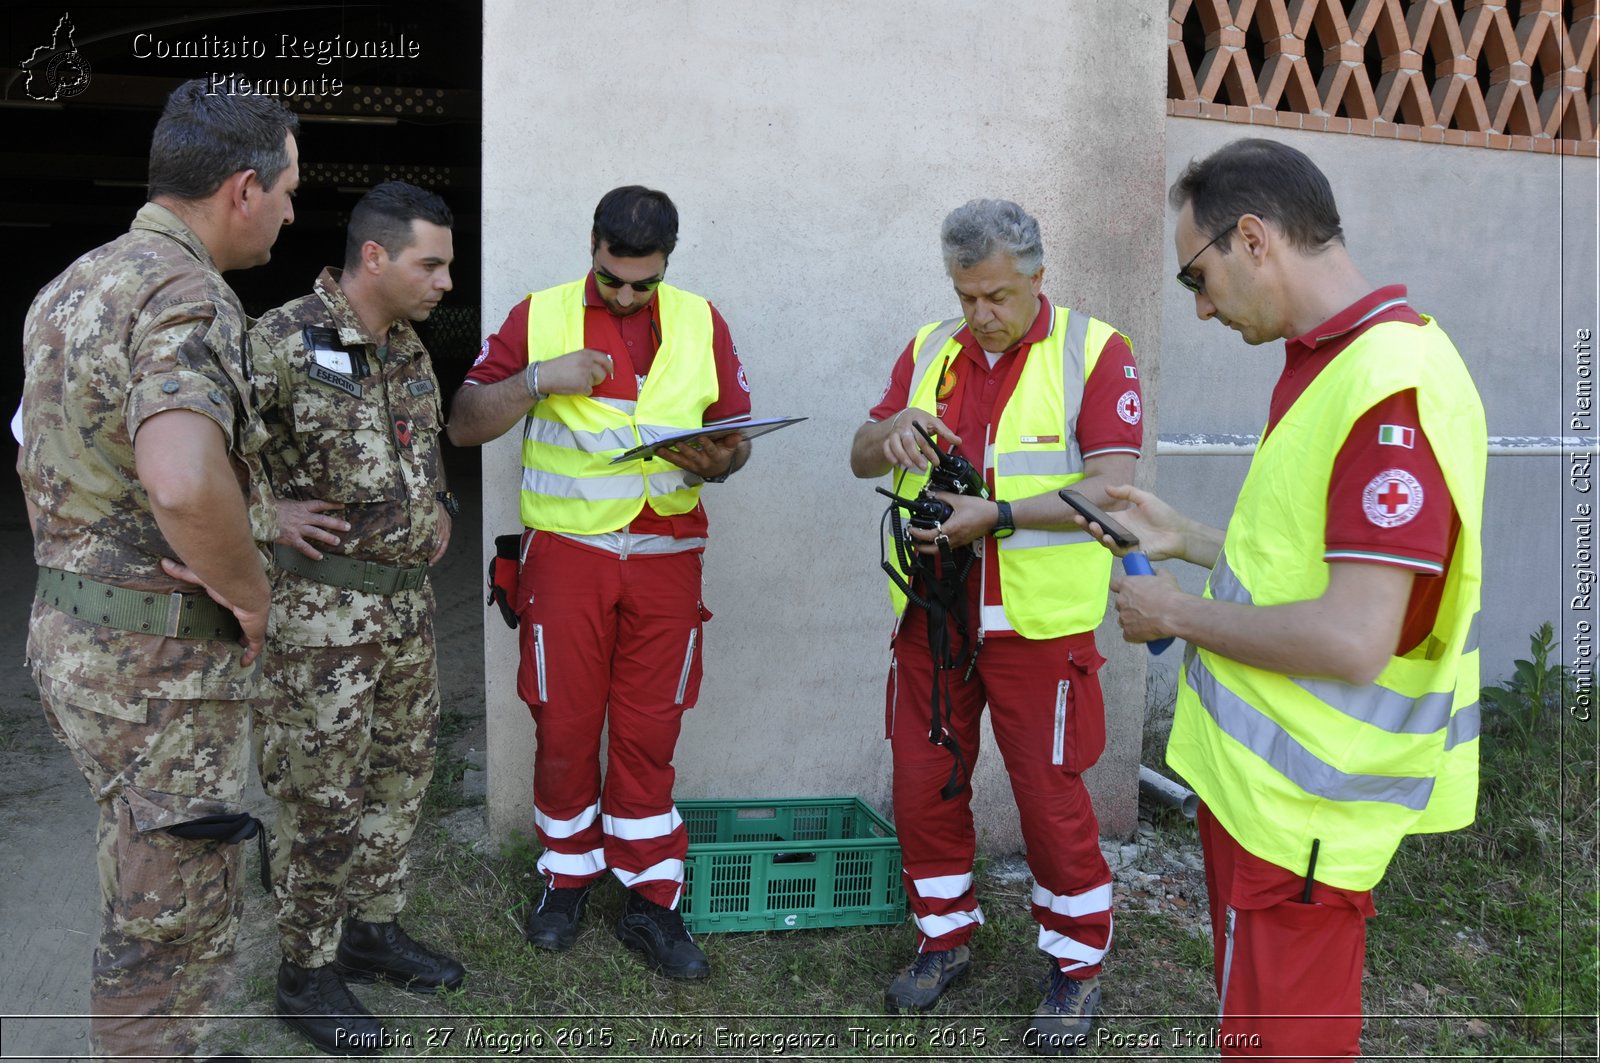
530, 380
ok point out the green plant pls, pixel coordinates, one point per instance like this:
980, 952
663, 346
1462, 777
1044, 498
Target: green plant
1534, 686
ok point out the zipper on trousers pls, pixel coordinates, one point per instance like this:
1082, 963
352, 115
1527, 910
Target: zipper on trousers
538, 660
688, 662
1058, 738
1227, 966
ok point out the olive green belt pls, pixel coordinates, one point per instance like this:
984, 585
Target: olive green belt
337, 570
175, 615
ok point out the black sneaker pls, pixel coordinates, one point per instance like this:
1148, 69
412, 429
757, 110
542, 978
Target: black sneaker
370, 951
660, 935
315, 1001
1064, 1019
925, 978
553, 923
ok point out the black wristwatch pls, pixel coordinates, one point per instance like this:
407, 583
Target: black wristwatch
1003, 524
451, 504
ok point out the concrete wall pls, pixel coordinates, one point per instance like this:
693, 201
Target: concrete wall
1500, 247
813, 150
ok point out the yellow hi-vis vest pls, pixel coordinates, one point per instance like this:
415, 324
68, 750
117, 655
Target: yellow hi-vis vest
1282, 760
568, 482
1052, 583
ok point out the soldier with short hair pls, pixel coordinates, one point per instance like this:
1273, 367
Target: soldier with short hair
138, 441
346, 739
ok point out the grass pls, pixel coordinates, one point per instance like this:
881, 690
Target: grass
1484, 947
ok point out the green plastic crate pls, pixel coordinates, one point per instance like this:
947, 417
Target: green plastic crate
788, 864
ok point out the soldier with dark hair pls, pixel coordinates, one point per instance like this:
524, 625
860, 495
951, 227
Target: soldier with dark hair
346, 740
137, 436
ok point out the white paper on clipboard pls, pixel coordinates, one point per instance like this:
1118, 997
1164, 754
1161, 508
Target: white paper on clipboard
748, 429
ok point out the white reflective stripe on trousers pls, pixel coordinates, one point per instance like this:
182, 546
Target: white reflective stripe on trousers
565, 828
945, 887
575, 865
1089, 902
644, 827
664, 871
937, 926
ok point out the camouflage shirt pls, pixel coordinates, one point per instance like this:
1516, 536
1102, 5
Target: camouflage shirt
137, 327
352, 424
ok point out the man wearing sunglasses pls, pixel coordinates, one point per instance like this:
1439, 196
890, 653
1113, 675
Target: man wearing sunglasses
1329, 702
609, 607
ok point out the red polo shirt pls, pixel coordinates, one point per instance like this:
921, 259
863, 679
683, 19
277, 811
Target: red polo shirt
1387, 499
632, 342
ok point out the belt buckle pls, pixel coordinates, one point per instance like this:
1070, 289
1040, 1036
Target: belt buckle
369, 578
174, 614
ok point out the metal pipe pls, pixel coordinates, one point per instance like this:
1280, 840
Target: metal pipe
1164, 791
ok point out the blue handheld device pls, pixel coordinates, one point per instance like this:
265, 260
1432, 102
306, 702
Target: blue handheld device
1134, 563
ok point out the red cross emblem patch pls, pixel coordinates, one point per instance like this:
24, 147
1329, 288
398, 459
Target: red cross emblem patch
1392, 498
1129, 408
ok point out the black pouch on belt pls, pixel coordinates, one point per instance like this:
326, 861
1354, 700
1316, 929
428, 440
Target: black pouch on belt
231, 830
503, 576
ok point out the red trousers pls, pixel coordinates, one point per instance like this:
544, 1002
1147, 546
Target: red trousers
608, 643
1288, 973
1049, 721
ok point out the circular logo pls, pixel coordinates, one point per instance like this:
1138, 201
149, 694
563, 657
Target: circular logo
947, 382
1392, 498
483, 352
68, 74
744, 381
1129, 408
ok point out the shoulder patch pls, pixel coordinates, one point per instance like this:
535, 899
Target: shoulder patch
1129, 408
1392, 498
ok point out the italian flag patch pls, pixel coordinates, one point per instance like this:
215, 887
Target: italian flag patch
1394, 435
1130, 372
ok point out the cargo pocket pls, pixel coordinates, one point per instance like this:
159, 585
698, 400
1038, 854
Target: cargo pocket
891, 698
1078, 734
169, 889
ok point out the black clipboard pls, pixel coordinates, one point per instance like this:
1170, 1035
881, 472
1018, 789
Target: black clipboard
748, 429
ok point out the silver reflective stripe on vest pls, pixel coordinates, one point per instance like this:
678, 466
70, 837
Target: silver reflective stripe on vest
1472, 635
556, 434
586, 488
664, 483
1385, 709
1033, 538
1225, 586
931, 347
1381, 707
1464, 726
1068, 461
1267, 739
1038, 463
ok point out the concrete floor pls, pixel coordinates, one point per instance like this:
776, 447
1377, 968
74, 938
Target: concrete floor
49, 898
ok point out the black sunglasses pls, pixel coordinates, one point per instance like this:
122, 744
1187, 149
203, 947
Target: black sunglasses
616, 282
1189, 280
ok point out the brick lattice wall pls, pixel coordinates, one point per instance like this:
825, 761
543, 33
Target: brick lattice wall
1517, 75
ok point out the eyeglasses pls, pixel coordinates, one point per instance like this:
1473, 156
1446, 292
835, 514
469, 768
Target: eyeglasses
616, 282
1189, 280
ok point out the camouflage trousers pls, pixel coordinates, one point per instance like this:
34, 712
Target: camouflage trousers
345, 742
170, 906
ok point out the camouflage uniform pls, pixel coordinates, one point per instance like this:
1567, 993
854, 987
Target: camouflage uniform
346, 741
140, 326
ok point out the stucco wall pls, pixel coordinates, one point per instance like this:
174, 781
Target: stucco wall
813, 150
1500, 247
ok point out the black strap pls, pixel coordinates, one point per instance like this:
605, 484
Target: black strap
230, 830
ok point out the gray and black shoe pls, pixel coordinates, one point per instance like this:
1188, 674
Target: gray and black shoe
659, 934
921, 982
1065, 1018
553, 923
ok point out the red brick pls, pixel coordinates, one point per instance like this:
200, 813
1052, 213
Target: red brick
1432, 135
1412, 133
